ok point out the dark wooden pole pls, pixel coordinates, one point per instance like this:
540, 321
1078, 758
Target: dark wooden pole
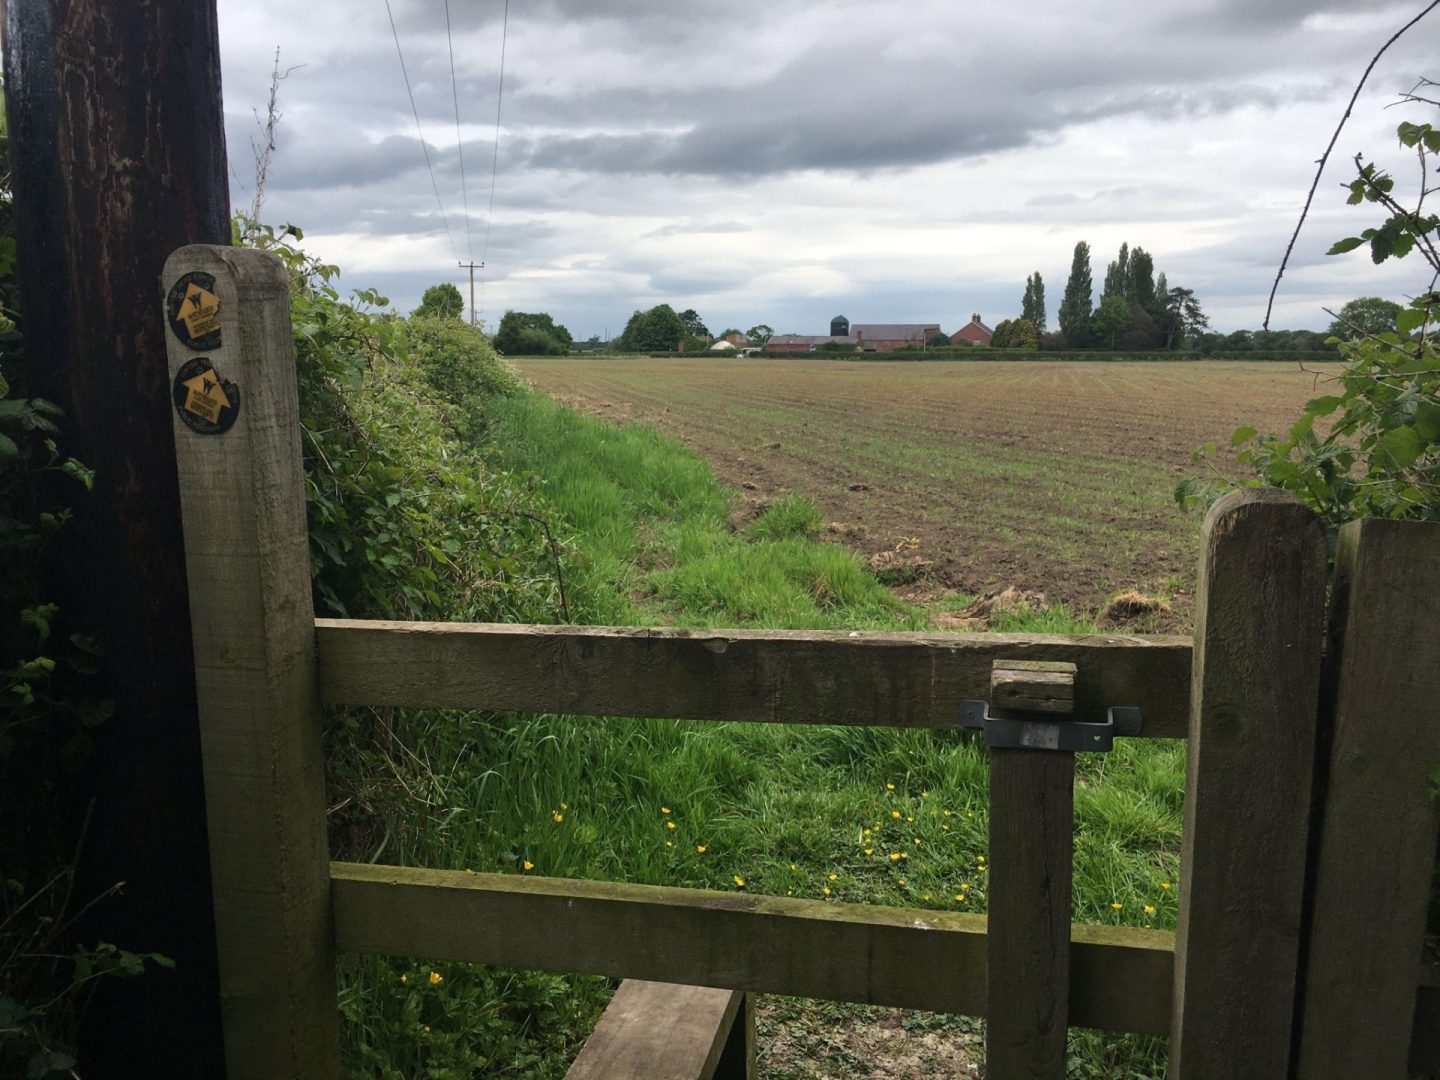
118, 154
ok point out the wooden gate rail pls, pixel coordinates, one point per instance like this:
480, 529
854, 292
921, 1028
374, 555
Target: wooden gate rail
1120, 977
770, 676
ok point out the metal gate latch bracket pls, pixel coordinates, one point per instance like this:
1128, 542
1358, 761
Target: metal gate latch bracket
1047, 734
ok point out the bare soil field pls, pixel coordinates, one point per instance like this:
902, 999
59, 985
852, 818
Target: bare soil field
973, 476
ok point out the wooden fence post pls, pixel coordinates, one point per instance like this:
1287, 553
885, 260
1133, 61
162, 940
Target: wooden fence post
1032, 844
1254, 697
237, 441
1378, 819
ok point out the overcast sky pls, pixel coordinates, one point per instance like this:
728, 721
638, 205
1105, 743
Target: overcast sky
781, 162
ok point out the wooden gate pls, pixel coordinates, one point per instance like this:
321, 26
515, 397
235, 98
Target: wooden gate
1309, 834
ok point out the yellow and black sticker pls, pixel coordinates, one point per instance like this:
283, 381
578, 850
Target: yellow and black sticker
206, 403
193, 309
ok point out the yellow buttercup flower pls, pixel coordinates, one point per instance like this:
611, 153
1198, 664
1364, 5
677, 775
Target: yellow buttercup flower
869, 851
1149, 909
889, 787
1165, 885
739, 881
669, 843
558, 816
894, 856
404, 979
669, 824
895, 813
664, 810
1117, 905
527, 865
827, 890
834, 877
701, 848
436, 978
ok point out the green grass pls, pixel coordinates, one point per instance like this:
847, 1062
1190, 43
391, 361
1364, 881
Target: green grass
845, 814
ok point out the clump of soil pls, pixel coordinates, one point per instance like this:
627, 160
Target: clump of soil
980, 613
899, 568
1132, 605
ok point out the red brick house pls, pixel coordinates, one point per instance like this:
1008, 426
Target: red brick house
974, 332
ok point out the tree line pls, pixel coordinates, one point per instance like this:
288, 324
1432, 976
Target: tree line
1138, 309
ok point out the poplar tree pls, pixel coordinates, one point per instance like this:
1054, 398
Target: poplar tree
1117, 275
1032, 307
1075, 305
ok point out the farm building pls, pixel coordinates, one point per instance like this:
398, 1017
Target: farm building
974, 332
868, 337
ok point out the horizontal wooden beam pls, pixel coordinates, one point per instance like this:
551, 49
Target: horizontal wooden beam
1120, 978
770, 676
661, 1031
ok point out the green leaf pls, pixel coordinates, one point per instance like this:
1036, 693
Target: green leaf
1409, 320
1350, 243
8, 449
1427, 421
1323, 406
1402, 445
1242, 434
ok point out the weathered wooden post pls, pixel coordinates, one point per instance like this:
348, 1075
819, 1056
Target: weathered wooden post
1255, 683
237, 441
1032, 829
1376, 848
118, 157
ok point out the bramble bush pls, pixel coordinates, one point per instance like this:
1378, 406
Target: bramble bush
407, 519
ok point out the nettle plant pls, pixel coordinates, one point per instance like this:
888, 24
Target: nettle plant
1377, 452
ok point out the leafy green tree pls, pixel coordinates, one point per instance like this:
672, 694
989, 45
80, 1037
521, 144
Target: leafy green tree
659, 329
1032, 305
523, 333
1023, 334
1075, 304
1183, 317
759, 334
938, 341
441, 301
1112, 318
1000, 336
694, 325
1365, 315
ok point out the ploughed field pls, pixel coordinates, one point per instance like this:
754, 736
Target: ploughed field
976, 476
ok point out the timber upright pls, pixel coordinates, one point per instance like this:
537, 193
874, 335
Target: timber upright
237, 441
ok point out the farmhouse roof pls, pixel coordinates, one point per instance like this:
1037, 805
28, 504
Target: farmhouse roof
805, 339
891, 331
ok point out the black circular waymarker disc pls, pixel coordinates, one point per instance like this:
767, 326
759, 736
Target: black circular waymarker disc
193, 310
207, 403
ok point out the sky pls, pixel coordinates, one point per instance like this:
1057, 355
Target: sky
782, 162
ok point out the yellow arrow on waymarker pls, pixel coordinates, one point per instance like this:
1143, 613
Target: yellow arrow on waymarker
206, 385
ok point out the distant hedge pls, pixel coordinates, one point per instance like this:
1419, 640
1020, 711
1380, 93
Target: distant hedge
1091, 355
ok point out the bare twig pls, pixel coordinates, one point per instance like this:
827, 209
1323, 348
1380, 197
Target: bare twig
1284, 262
267, 130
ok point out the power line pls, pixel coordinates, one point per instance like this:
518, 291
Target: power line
495, 158
424, 149
460, 147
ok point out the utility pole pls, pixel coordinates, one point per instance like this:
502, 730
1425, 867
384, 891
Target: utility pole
471, 267
118, 157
